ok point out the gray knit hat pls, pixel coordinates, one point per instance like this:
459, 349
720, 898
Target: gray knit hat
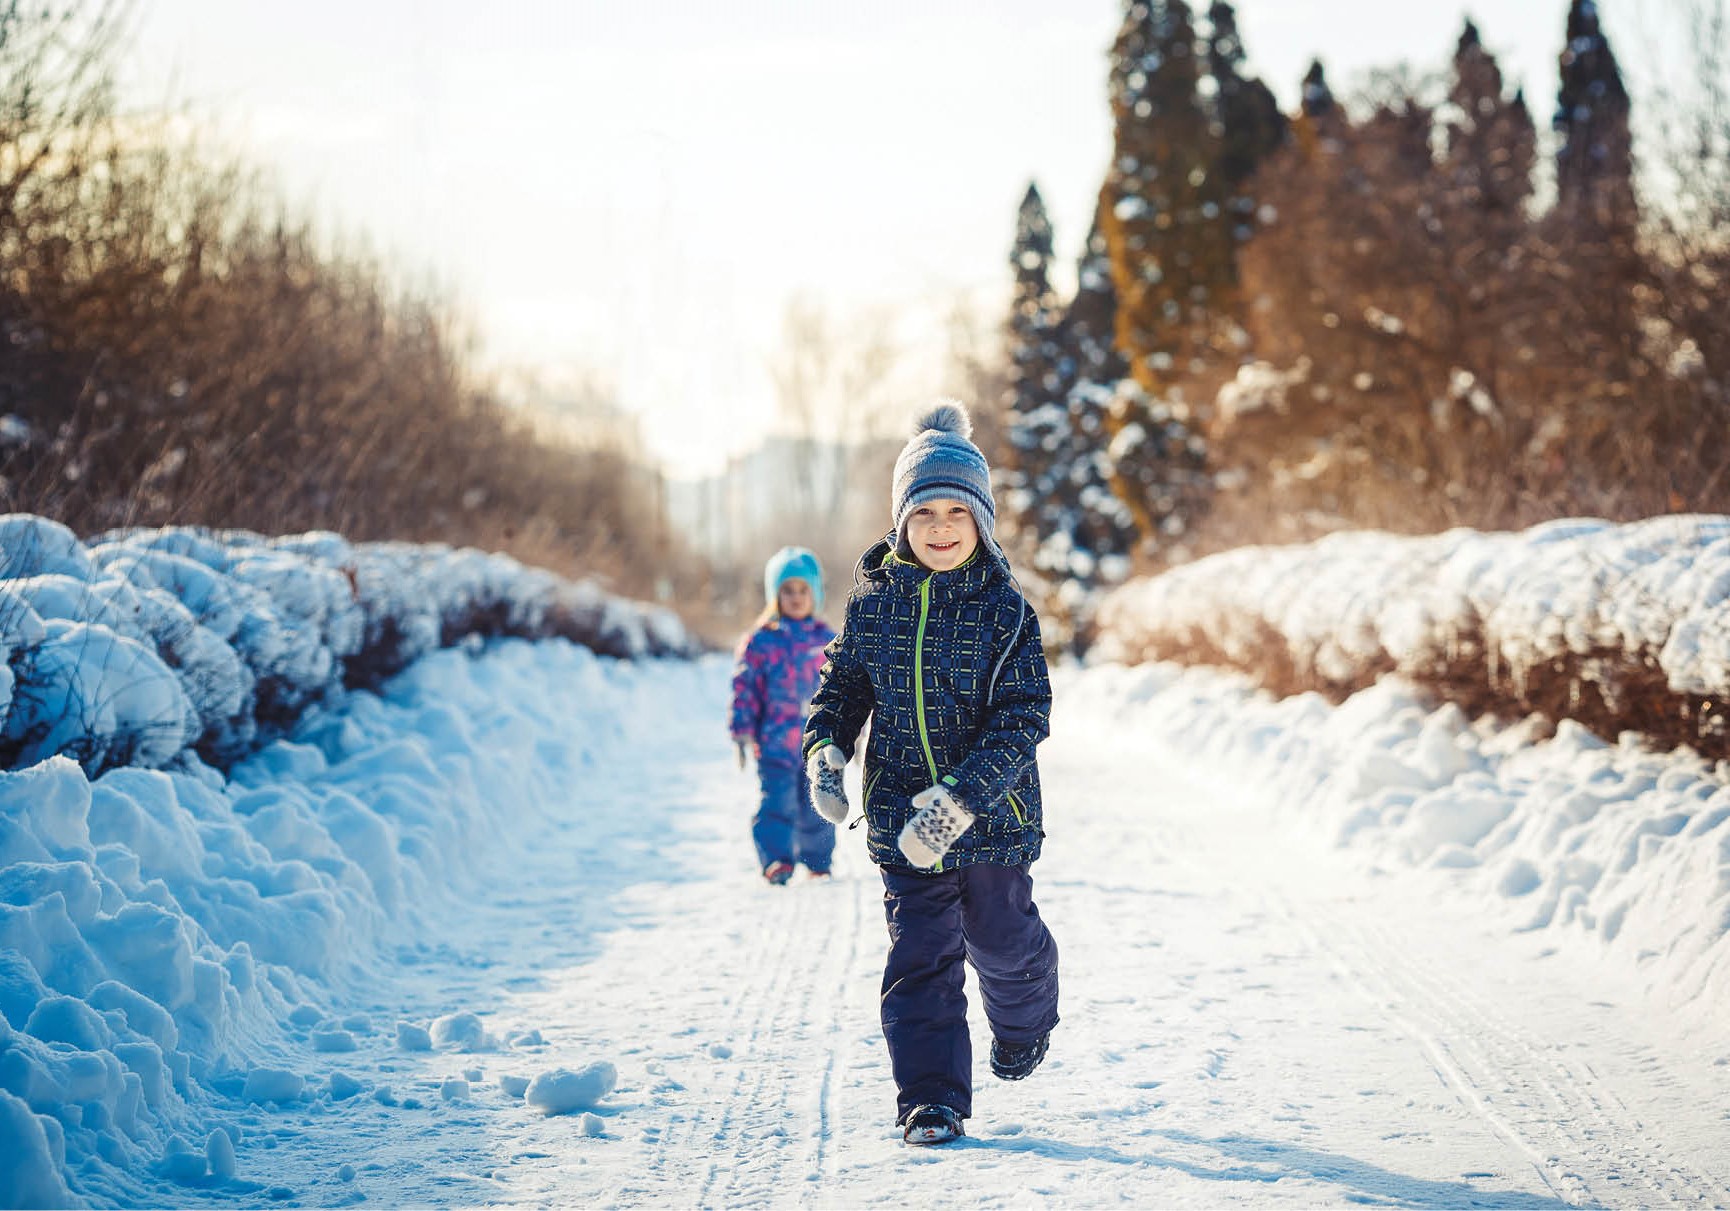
941, 463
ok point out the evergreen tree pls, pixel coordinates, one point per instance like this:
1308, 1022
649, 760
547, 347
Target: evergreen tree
1318, 98
1167, 231
1061, 510
1248, 121
1037, 379
1320, 120
1090, 324
1594, 167
1163, 199
1490, 138
1481, 188
1087, 531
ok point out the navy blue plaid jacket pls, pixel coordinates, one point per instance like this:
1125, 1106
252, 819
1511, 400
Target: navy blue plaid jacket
950, 670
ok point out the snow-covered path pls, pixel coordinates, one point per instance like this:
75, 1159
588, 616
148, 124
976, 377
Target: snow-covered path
1248, 1018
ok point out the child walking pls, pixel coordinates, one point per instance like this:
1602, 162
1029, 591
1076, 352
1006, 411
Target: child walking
943, 654
773, 679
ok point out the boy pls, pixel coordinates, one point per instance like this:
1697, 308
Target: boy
943, 653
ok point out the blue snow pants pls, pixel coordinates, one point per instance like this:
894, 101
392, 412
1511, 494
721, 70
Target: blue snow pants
786, 827
982, 913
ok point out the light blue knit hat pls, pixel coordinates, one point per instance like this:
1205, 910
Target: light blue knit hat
793, 563
940, 463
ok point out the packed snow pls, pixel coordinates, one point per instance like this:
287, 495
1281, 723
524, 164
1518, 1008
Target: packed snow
492, 933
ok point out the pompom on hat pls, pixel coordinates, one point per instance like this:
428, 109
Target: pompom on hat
793, 563
941, 463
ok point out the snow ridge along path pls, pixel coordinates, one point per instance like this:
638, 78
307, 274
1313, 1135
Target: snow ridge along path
1249, 1017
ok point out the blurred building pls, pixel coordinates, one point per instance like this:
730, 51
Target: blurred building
831, 497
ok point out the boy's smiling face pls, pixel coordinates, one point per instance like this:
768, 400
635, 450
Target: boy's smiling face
941, 534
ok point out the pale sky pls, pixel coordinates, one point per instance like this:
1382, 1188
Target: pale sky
637, 190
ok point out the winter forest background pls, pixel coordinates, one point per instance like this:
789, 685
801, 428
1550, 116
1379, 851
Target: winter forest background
1429, 302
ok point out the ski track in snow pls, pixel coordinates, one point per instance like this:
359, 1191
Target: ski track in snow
1248, 1019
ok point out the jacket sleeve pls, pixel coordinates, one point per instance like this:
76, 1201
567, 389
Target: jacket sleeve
844, 697
747, 688
1018, 718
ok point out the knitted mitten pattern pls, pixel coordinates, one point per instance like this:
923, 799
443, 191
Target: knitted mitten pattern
936, 826
828, 791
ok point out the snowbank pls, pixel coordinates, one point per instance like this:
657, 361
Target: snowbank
175, 949
174, 939
164, 648
1612, 845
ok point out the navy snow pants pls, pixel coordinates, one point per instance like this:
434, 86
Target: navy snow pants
983, 913
786, 827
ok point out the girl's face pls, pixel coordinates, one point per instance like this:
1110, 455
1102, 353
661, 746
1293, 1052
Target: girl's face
942, 534
795, 599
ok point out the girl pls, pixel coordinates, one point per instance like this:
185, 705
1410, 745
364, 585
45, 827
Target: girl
773, 679
943, 653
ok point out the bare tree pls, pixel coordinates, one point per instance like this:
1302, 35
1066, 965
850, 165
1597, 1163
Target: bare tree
829, 385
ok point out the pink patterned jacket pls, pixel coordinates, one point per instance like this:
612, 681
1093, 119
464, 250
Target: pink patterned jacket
774, 677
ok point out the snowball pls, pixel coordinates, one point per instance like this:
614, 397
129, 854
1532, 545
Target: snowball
332, 1040
454, 1089
513, 1086
460, 1030
272, 1085
219, 1153
561, 1091
410, 1037
343, 1086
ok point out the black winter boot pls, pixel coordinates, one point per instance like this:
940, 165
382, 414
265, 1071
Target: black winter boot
1013, 1061
932, 1125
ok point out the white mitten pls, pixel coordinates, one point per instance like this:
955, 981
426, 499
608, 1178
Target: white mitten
828, 792
936, 826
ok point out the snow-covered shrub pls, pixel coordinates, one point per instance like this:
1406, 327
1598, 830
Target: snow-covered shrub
219, 641
31, 546
1617, 626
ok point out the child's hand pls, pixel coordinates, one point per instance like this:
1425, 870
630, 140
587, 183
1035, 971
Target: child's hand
936, 826
742, 743
828, 791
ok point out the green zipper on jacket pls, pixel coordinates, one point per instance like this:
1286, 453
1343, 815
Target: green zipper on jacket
919, 683
919, 675
1015, 806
